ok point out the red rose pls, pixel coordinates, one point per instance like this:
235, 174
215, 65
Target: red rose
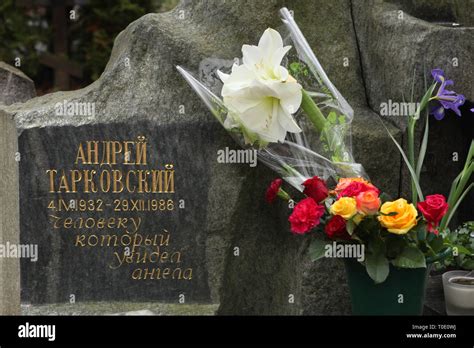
336, 228
272, 190
305, 216
356, 187
433, 209
316, 189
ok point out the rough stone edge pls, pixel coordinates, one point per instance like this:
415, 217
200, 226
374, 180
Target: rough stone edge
9, 216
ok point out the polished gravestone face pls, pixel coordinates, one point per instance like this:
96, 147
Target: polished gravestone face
117, 213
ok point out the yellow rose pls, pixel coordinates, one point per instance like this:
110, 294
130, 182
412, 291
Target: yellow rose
403, 221
345, 207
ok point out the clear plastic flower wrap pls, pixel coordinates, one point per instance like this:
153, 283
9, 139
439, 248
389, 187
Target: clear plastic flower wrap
321, 114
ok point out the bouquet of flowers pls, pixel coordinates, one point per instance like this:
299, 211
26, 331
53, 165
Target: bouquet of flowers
276, 95
270, 95
394, 231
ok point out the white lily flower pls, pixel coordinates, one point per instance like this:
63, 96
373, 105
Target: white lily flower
262, 93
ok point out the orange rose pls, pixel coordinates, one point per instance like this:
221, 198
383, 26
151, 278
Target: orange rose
368, 202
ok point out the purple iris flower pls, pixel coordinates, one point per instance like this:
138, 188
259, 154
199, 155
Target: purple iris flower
446, 100
437, 74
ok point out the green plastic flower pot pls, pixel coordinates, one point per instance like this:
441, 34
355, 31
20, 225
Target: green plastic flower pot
402, 293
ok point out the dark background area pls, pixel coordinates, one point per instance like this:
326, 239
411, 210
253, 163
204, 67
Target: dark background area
65, 44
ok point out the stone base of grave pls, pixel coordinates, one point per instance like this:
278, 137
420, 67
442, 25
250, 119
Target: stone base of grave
119, 308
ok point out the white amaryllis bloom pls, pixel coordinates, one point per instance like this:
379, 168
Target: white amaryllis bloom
261, 92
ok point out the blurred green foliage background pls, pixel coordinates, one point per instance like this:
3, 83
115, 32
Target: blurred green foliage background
27, 31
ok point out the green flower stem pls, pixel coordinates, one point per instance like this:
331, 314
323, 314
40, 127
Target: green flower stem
430, 249
283, 195
319, 122
313, 112
290, 170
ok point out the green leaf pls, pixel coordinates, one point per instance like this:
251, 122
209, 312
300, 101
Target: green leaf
295, 67
437, 243
377, 267
468, 264
411, 257
350, 226
332, 118
342, 119
411, 153
454, 184
394, 245
317, 248
430, 237
461, 250
407, 162
421, 233
376, 262
392, 213
424, 145
453, 210
458, 186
